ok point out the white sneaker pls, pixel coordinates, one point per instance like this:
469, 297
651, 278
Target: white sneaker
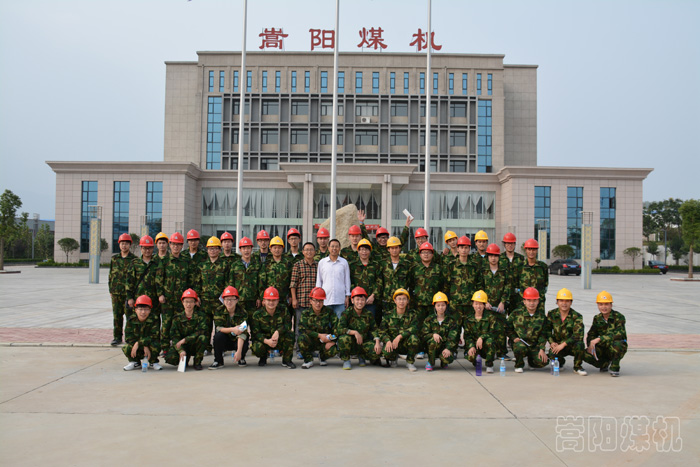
307, 365
156, 366
489, 369
402, 356
132, 366
394, 364
411, 367
581, 372
518, 370
323, 363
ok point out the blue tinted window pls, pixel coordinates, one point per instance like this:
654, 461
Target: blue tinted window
214, 133
543, 205
422, 82
154, 207
278, 80
235, 81
484, 155
307, 81
249, 81
405, 83
264, 81
392, 82
451, 83
341, 81
294, 81
324, 81
375, 82
465, 79
222, 80
489, 83
607, 222
358, 82
88, 198
120, 216
211, 81
574, 206
478, 84
435, 83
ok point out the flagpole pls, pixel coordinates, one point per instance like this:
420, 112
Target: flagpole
428, 91
242, 83
334, 133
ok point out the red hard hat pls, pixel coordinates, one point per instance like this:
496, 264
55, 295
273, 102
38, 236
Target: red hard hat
230, 291
323, 233
381, 231
189, 293
245, 241
144, 300
493, 249
426, 246
125, 237
357, 291
420, 232
464, 240
531, 293
354, 230
271, 293
293, 231
146, 240
262, 235
531, 243
226, 236
318, 293
177, 238
192, 235
509, 238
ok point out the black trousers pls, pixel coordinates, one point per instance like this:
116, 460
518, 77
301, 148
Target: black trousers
224, 342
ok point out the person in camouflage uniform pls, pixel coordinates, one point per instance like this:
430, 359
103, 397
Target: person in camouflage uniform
141, 278
317, 330
213, 274
118, 276
272, 330
607, 337
565, 331
276, 271
142, 336
263, 240
440, 333
451, 252
379, 244
366, 273
533, 273
464, 279
294, 254
161, 247
421, 237
231, 330
399, 332
244, 276
496, 284
395, 274
480, 330
228, 254
323, 237
512, 262
188, 332
527, 331
350, 252
196, 254
479, 259
357, 332
427, 279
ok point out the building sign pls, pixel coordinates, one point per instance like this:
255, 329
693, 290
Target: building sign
370, 38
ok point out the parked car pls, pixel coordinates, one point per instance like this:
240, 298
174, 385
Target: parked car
565, 267
663, 269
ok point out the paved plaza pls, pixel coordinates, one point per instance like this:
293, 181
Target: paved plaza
64, 399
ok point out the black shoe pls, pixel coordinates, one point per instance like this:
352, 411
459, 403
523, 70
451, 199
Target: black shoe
242, 362
262, 361
216, 365
115, 342
198, 366
377, 362
290, 364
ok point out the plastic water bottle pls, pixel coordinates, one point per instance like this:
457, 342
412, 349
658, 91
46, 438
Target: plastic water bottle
556, 366
478, 365
272, 356
503, 367
551, 366
144, 365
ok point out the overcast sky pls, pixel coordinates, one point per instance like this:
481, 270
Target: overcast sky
618, 81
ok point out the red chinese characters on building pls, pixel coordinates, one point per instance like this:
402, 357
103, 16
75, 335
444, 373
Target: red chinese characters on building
323, 38
372, 38
420, 40
272, 38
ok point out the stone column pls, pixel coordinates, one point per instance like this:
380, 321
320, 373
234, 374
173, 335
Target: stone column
386, 202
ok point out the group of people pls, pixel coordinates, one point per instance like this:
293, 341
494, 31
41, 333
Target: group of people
371, 300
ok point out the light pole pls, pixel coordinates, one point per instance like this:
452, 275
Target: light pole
665, 229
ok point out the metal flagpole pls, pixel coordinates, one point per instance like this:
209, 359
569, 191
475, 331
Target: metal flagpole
334, 134
428, 90
242, 83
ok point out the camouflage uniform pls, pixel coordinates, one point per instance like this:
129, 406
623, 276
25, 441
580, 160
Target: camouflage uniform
245, 280
173, 277
405, 325
263, 326
368, 277
194, 331
310, 326
259, 258
320, 255
497, 287
448, 330
146, 333
277, 274
479, 262
570, 331
349, 254
118, 276
486, 328
382, 252
613, 341
392, 279
464, 279
531, 329
213, 276
293, 259
513, 268
224, 341
199, 257
536, 276
363, 323
426, 281
141, 280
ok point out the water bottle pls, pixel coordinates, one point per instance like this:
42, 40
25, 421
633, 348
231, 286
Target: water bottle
277, 353
144, 365
478, 365
503, 367
551, 366
272, 356
556, 366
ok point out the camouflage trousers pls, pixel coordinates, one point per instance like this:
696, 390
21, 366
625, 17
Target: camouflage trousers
461, 312
119, 308
522, 351
155, 350
210, 308
500, 346
608, 355
487, 352
408, 346
435, 350
422, 312
285, 344
168, 310
193, 349
347, 345
308, 345
577, 351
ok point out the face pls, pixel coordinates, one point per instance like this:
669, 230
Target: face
531, 253
246, 251
147, 251
394, 251
230, 303
426, 256
193, 244
463, 250
228, 245
213, 252
531, 304
441, 308
276, 250
478, 306
452, 243
382, 239
175, 248
293, 241
493, 260
363, 252
162, 245
481, 245
263, 244
316, 305
564, 305
188, 303
359, 302
323, 242
270, 304
142, 311
355, 239
309, 251
401, 302
509, 246
334, 248
605, 308
421, 240
124, 247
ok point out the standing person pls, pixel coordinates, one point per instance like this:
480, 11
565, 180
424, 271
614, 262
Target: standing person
496, 284
350, 251
196, 255
357, 332
534, 273
271, 328
316, 330
565, 330
480, 328
118, 278
440, 334
214, 273
161, 246
421, 237
379, 245
527, 331
189, 333
395, 274
512, 262
302, 282
322, 238
399, 332
227, 252
464, 279
142, 337
427, 279
481, 241
294, 254
244, 275
263, 240
365, 273
607, 337
231, 331
334, 278
451, 252
141, 277
276, 271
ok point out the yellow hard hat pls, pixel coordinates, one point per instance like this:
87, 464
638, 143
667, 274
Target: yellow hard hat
564, 294
277, 240
364, 242
481, 235
449, 235
401, 292
480, 296
393, 241
440, 297
603, 297
213, 241
161, 235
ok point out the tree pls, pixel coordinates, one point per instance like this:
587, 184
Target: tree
653, 249
104, 246
563, 251
633, 252
662, 215
690, 216
9, 204
597, 263
678, 249
135, 238
68, 245
43, 243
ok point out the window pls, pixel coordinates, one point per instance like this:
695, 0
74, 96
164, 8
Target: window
324, 81
489, 84
249, 81
435, 83
405, 83
120, 217
264, 81
458, 166
398, 138
300, 108
433, 109
484, 138
211, 81
458, 109
236, 106
341, 81
154, 207
543, 208
88, 198
574, 206
235, 81
269, 164
278, 80
607, 223
294, 81
300, 137
358, 82
270, 107
327, 137
327, 108
433, 166
366, 109
213, 134
399, 109
433, 138
235, 137
375, 82
307, 81
268, 137
222, 80
458, 138
451, 83
478, 84
366, 138
465, 80
392, 83
422, 82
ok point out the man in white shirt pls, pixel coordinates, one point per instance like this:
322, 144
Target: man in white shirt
334, 277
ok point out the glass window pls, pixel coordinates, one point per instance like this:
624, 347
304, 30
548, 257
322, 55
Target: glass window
484, 155
574, 206
341, 81
154, 207
422, 82
458, 138
405, 82
269, 136
327, 108
324, 81
236, 105
458, 166
300, 107
607, 222
433, 109
327, 137
543, 209
294, 81
435, 83
211, 81
235, 136
478, 84
392, 82
269, 164
375, 82
300, 137
270, 107
235, 81
222, 80
249, 81
213, 134
366, 138
465, 80
278, 80
489, 84
433, 138
358, 82
88, 198
264, 81
451, 83
120, 216
458, 109
367, 109
399, 109
307, 81
398, 138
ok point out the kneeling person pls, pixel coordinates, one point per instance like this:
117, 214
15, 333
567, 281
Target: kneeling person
231, 330
272, 329
566, 332
316, 330
357, 330
142, 336
527, 332
479, 332
188, 333
399, 332
440, 333
607, 338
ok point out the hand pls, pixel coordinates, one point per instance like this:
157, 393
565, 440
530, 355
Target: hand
130, 303
275, 336
134, 349
295, 303
554, 347
389, 347
329, 344
408, 221
258, 303
437, 338
183, 354
347, 302
324, 339
516, 340
479, 343
237, 356
446, 353
370, 299
396, 341
361, 216
445, 250
543, 356
472, 352
237, 331
501, 307
147, 352
377, 347
161, 299
180, 344
358, 338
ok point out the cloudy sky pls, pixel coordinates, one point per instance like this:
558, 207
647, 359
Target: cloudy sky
618, 81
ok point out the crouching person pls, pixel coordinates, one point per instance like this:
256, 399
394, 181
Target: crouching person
440, 333
316, 330
188, 332
399, 332
479, 331
357, 332
142, 336
566, 332
607, 338
231, 328
272, 329
527, 330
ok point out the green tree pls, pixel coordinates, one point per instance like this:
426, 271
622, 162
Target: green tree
9, 204
653, 249
677, 248
662, 215
68, 245
104, 246
634, 253
135, 238
43, 243
563, 251
690, 216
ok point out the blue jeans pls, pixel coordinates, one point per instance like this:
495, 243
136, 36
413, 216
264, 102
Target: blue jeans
338, 309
